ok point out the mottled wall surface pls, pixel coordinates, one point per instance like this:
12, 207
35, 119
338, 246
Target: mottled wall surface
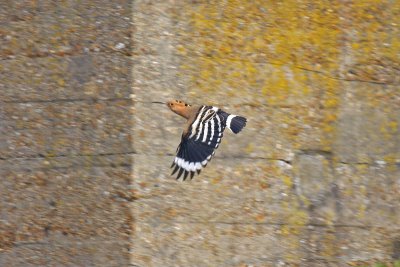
65, 164
314, 178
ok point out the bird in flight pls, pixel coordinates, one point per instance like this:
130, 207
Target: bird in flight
202, 134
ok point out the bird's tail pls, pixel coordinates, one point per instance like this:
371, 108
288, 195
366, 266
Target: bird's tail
235, 123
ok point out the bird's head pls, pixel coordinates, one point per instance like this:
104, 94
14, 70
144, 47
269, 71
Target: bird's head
178, 106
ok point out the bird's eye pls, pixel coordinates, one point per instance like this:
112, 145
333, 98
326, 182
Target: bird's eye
171, 104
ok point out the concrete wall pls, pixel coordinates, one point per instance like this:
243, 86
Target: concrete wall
65, 142
314, 179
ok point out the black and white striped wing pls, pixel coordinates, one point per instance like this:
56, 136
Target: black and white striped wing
197, 147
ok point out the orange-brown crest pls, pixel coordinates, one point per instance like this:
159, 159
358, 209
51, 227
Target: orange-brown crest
179, 107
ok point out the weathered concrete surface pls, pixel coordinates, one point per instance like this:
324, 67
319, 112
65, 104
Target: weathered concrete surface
65, 139
313, 180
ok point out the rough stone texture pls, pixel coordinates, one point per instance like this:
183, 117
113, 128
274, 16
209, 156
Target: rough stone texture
314, 178
65, 139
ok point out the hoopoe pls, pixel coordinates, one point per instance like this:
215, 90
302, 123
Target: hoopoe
201, 136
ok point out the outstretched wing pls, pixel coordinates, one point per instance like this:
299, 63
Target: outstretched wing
197, 146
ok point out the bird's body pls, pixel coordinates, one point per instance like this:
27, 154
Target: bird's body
201, 136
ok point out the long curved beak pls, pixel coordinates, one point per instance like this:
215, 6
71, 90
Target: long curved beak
158, 102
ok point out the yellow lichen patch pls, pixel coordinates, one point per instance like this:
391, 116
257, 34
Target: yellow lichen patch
391, 160
330, 102
306, 202
285, 85
291, 230
328, 244
287, 180
374, 41
388, 129
231, 43
295, 220
216, 179
249, 148
362, 207
362, 169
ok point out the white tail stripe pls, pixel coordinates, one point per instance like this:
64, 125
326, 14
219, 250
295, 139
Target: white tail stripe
189, 166
229, 120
